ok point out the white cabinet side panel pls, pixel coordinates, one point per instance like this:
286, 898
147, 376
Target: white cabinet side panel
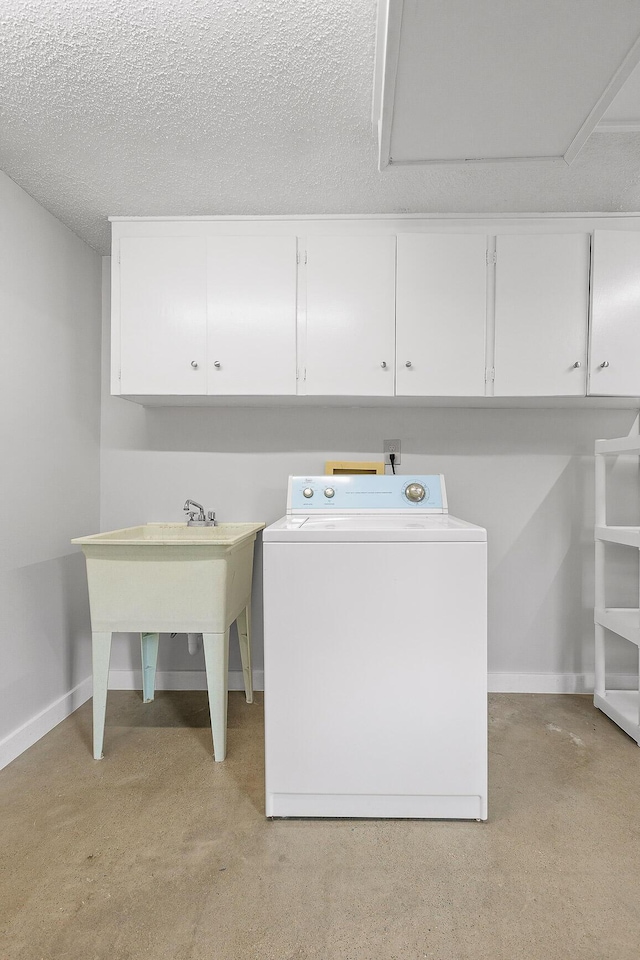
251, 315
350, 315
163, 315
441, 314
615, 318
542, 303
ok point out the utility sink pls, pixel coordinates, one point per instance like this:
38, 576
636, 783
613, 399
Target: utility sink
171, 578
225, 534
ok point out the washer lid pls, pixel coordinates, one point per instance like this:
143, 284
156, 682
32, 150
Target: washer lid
373, 528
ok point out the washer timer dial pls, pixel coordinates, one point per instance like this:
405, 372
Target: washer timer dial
415, 492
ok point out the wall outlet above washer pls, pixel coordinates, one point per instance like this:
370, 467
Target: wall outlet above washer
391, 446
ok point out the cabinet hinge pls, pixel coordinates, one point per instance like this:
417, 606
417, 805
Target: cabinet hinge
490, 374
492, 257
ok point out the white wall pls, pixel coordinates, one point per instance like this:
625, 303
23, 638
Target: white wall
527, 475
49, 478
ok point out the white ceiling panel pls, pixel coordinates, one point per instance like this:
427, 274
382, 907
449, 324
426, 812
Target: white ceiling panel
469, 80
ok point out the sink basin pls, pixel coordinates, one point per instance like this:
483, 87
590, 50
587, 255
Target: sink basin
168, 577
225, 534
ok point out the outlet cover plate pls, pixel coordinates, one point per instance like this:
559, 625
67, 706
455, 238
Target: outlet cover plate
391, 446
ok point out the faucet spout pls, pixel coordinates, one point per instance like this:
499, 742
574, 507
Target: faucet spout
201, 520
194, 503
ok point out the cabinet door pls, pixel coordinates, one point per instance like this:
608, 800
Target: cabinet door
441, 308
163, 315
542, 303
252, 315
614, 356
350, 316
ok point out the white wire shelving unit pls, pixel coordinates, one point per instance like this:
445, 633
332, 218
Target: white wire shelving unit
622, 706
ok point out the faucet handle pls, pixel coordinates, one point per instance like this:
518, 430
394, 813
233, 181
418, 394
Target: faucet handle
211, 516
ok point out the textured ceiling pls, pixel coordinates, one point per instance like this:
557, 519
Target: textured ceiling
186, 107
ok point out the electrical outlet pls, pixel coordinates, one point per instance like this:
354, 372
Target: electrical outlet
391, 446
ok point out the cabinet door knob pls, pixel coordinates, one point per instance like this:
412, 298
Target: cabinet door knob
605, 363
216, 364
383, 364
576, 365
194, 364
408, 363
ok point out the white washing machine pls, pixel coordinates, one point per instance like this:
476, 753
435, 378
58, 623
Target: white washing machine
375, 632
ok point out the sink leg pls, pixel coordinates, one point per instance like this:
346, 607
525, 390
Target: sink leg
216, 660
149, 653
243, 624
101, 654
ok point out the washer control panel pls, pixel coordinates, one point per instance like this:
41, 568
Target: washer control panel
348, 494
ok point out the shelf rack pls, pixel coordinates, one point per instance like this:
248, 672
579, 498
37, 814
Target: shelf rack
622, 706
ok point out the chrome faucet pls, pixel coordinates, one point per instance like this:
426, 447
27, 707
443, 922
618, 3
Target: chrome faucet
200, 520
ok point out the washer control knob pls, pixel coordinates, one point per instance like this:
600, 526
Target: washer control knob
307, 492
415, 492
329, 492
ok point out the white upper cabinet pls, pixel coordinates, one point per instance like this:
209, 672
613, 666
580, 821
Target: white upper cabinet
226, 309
541, 313
202, 315
614, 360
162, 303
251, 285
441, 311
350, 314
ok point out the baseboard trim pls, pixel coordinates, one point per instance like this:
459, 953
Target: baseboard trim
179, 680
556, 682
498, 682
34, 729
